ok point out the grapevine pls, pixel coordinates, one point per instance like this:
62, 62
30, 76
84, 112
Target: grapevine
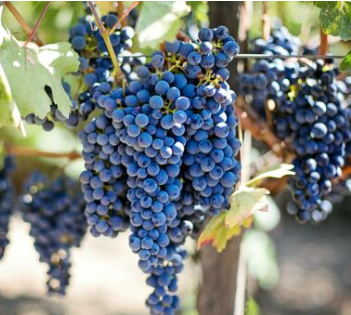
159, 128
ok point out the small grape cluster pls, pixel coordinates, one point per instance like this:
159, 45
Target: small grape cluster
7, 201
176, 146
55, 212
310, 113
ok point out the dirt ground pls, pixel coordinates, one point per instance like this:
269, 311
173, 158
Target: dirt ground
315, 267
105, 279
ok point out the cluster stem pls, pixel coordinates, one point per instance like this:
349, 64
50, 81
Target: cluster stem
123, 16
106, 37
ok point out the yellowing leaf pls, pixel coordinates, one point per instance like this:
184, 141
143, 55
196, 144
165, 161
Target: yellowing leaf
243, 203
222, 228
276, 171
217, 234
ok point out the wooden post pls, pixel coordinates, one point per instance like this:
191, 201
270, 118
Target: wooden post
217, 289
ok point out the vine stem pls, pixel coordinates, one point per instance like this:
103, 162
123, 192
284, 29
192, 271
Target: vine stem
29, 152
239, 306
346, 172
27, 29
106, 37
323, 47
250, 120
266, 21
36, 27
124, 15
120, 12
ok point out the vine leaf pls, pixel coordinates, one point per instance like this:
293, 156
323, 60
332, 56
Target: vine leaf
335, 17
346, 63
160, 22
217, 234
29, 70
275, 171
243, 203
223, 227
9, 113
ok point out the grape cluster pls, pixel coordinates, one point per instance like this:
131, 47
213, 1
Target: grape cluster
176, 147
310, 113
319, 129
7, 202
95, 64
55, 212
271, 77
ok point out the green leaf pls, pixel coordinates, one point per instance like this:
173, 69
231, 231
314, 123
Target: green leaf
9, 113
199, 11
243, 203
335, 17
29, 70
276, 171
159, 21
346, 63
252, 307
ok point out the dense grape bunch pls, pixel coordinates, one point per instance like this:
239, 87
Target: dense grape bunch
311, 115
180, 107
55, 212
7, 202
